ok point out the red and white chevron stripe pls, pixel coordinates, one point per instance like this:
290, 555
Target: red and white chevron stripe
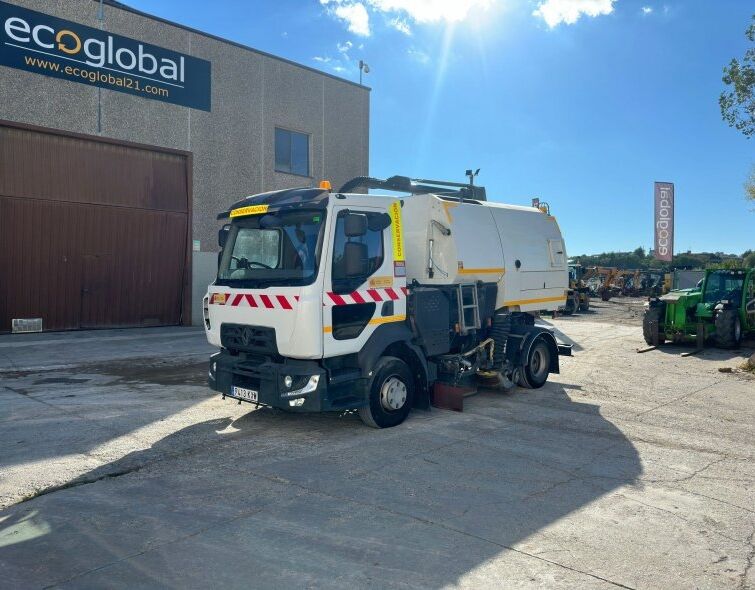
366, 296
263, 301
288, 302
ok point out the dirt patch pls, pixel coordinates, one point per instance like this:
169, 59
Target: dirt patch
627, 311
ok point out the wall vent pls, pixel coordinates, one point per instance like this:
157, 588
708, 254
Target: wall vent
22, 325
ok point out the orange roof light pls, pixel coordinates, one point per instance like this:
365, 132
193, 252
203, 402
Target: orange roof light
325, 185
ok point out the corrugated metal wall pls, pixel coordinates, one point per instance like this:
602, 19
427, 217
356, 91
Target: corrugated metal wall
92, 234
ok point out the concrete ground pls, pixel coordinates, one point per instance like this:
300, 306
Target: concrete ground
120, 469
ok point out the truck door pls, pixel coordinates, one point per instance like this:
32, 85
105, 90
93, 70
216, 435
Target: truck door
358, 299
749, 293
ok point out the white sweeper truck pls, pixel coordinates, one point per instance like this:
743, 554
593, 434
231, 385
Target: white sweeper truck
341, 300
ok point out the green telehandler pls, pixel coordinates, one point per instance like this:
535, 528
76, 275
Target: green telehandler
721, 308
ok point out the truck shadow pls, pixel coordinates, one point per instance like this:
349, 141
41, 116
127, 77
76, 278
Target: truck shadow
323, 501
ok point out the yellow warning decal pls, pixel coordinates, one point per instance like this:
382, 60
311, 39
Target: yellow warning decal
397, 231
381, 282
250, 210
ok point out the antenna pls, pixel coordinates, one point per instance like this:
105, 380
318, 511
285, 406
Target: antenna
471, 174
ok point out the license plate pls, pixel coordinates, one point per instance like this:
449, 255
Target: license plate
249, 395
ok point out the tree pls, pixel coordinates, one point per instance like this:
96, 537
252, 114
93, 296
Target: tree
749, 260
738, 102
750, 185
640, 252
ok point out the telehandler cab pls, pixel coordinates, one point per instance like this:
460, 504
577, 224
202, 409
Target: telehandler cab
722, 308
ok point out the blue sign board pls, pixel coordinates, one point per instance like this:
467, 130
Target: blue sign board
50, 46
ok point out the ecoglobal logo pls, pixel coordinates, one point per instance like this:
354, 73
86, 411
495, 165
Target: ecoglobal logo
664, 221
47, 45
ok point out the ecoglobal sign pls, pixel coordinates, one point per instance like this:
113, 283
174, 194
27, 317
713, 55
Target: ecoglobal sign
46, 45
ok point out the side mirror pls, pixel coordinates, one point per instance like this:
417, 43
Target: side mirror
223, 235
379, 221
355, 225
355, 259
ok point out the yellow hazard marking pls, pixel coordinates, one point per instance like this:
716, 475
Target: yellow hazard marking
481, 271
250, 210
398, 231
381, 282
373, 322
531, 301
447, 206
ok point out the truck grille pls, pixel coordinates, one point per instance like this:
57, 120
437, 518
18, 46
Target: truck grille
254, 339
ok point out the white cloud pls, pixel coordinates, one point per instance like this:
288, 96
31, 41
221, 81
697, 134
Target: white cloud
354, 14
344, 47
418, 55
555, 12
430, 11
647, 9
339, 69
401, 25
401, 13
321, 59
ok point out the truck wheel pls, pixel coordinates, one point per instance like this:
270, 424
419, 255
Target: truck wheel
391, 392
534, 373
569, 307
728, 329
654, 314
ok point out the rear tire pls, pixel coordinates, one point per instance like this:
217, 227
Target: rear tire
728, 329
534, 373
390, 395
654, 314
585, 306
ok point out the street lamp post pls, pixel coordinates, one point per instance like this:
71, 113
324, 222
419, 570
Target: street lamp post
363, 67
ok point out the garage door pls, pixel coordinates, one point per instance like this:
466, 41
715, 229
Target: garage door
92, 234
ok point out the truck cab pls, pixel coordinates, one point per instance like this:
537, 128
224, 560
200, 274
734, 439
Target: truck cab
311, 305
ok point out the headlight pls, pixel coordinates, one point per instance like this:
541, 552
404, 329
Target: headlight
308, 388
288, 381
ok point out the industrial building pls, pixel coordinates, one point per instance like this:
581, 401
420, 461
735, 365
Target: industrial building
122, 136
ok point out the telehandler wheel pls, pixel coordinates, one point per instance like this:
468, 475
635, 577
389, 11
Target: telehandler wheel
728, 329
390, 394
534, 373
585, 305
657, 315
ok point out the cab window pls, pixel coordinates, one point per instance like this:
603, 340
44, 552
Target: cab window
373, 239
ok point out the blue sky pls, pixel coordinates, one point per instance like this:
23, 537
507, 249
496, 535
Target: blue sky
583, 103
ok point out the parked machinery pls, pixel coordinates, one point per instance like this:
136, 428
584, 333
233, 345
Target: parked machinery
722, 309
578, 297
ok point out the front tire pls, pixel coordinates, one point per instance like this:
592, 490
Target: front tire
585, 305
390, 395
728, 329
655, 314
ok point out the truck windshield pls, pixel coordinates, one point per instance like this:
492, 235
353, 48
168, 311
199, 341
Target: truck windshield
724, 285
274, 249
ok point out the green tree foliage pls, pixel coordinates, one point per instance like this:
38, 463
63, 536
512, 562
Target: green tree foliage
738, 101
749, 259
632, 260
750, 185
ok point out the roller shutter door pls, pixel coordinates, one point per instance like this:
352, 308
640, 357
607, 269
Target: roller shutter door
92, 234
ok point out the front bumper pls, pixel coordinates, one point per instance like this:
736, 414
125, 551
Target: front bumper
312, 388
